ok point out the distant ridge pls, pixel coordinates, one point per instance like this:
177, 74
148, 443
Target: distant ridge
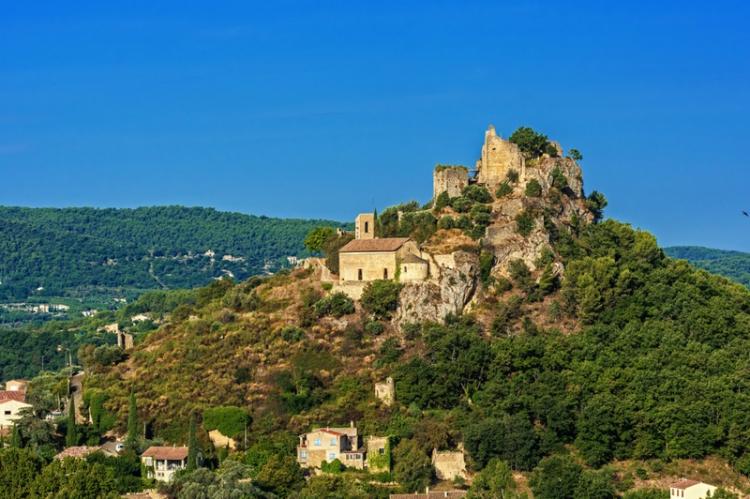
64, 250
734, 265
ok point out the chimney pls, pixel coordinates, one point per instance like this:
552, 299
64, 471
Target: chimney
351, 424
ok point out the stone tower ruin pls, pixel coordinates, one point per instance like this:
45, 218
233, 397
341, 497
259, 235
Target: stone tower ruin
498, 157
450, 179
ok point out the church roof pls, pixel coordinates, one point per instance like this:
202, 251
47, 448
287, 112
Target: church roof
378, 244
411, 258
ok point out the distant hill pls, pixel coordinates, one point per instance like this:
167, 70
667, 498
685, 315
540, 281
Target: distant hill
734, 265
87, 251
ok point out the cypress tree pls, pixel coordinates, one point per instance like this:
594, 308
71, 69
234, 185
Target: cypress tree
132, 438
71, 437
192, 462
16, 438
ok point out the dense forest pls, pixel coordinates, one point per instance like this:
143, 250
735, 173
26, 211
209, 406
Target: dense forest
84, 251
734, 265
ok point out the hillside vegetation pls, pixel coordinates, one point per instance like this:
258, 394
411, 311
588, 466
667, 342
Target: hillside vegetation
85, 251
733, 265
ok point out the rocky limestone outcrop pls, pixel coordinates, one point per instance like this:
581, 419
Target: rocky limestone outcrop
542, 168
450, 288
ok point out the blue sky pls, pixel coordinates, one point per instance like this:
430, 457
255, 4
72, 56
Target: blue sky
324, 109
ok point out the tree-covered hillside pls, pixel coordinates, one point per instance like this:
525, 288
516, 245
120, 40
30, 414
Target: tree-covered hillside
734, 265
65, 251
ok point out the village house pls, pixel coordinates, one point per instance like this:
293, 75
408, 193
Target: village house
328, 444
12, 402
161, 463
691, 489
16, 385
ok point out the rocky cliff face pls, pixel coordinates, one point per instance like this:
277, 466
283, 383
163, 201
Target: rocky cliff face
446, 293
533, 197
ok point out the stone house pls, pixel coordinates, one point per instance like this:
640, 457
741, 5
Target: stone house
690, 489
369, 258
385, 391
161, 463
12, 402
449, 465
328, 444
449, 179
378, 454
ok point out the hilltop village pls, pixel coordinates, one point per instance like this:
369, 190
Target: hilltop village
474, 345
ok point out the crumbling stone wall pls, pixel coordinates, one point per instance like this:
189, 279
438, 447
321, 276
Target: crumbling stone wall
450, 179
498, 157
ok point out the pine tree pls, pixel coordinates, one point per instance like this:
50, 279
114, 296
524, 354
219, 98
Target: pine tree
16, 438
192, 462
132, 438
71, 437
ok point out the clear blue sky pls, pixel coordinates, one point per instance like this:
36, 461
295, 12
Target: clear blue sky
322, 109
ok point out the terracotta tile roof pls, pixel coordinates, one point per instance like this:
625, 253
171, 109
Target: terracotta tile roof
169, 453
7, 395
684, 483
379, 244
80, 452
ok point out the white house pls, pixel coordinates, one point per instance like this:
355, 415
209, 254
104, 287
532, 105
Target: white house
12, 402
690, 489
161, 463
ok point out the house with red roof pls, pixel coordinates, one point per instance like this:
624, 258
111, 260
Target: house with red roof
12, 402
161, 462
328, 444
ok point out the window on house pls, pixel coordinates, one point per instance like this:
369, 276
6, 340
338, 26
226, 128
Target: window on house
404, 269
7, 413
331, 456
359, 274
367, 227
316, 442
303, 454
381, 451
333, 441
385, 273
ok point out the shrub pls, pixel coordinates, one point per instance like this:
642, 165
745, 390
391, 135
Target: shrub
336, 304
229, 420
446, 222
557, 179
512, 176
374, 328
463, 222
292, 334
327, 286
461, 204
482, 219
503, 189
380, 298
334, 466
477, 193
442, 201
524, 223
486, 261
533, 188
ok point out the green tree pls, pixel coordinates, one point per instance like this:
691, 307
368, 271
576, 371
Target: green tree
532, 143
575, 154
495, 481
75, 478
596, 202
192, 460
71, 433
317, 238
524, 223
19, 468
558, 179
595, 485
380, 298
133, 438
412, 468
280, 475
503, 189
556, 477
442, 201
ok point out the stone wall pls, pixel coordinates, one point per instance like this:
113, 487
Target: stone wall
449, 464
372, 264
450, 179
